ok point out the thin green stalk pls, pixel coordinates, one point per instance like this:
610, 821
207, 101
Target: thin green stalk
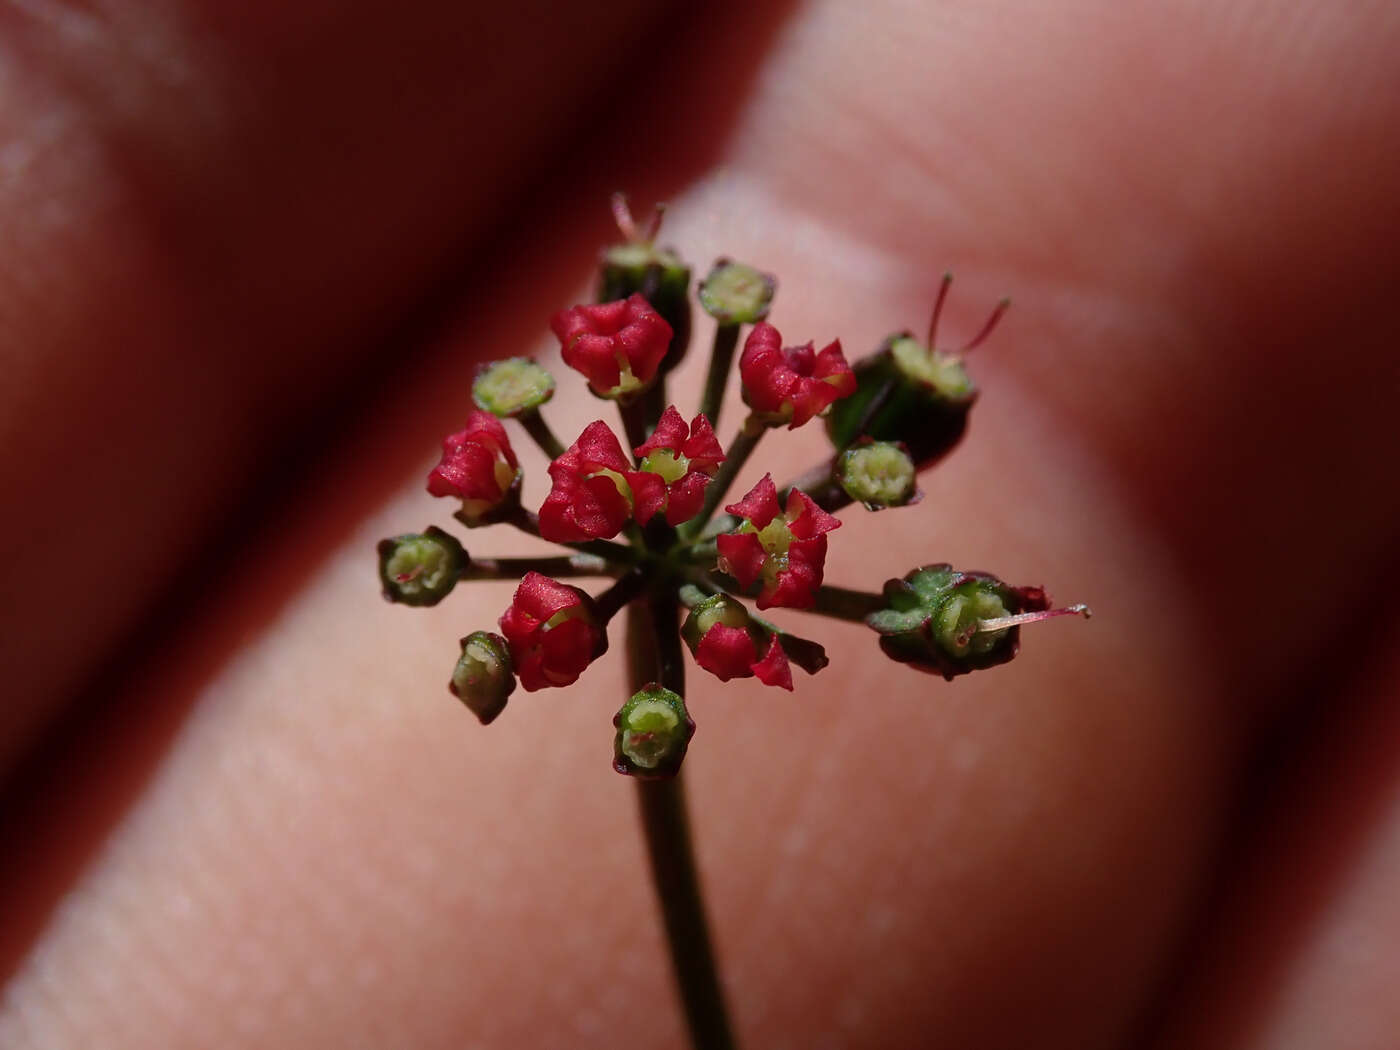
621, 593
654, 644
841, 603
820, 484
640, 415
557, 566
537, 428
721, 361
529, 522
737, 455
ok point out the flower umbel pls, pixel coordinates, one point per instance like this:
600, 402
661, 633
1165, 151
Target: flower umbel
643, 515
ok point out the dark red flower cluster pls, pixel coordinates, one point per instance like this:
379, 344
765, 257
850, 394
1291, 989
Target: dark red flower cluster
478, 466
596, 489
791, 384
552, 631
617, 346
785, 548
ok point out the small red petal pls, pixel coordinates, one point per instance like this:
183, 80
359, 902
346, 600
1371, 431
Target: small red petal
485, 428
726, 652
468, 465
468, 472
566, 650
599, 449
773, 669
796, 586
760, 505
670, 433
687, 496
703, 449
648, 494
540, 597
806, 520
831, 368
741, 555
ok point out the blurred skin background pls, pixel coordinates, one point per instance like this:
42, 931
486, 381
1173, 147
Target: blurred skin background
251, 256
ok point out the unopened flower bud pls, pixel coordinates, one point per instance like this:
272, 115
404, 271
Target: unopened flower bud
420, 568
878, 474
735, 293
951, 623
653, 732
483, 678
638, 267
512, 387
911, 391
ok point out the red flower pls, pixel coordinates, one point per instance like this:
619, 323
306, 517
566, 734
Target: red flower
477, 465
676, 464
791, 385
552, 631
617, 346
730, 652
590, 497
726, 641
786, 549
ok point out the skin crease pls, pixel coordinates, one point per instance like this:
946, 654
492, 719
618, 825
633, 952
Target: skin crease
1174, 825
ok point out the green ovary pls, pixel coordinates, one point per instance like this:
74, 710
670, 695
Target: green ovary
649, 734
955, 624
670, 465
419, 567
880, 473
943, 372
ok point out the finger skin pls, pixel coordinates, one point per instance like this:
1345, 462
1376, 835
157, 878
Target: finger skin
332, 853
213, 213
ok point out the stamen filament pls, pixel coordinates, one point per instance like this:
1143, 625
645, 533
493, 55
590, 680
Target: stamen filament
1001, 623
938, 308
981, 336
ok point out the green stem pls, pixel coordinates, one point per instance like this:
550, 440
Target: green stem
654, 645
839, 603
538, 429
735, 457
621, 593
721, 360
557, 566
820, 484
842, 603
528, 521
640, 415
